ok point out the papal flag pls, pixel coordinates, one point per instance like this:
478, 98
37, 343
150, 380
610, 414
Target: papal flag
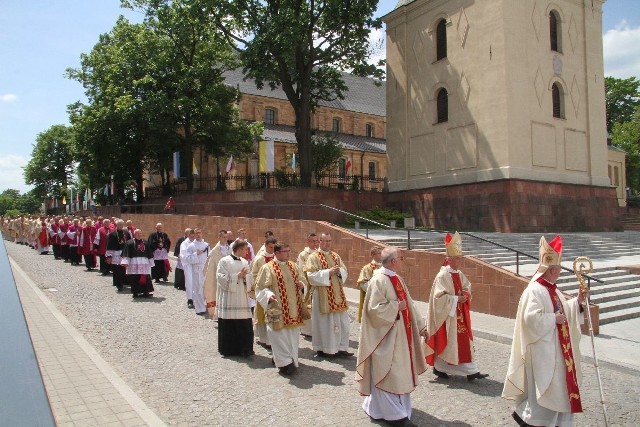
266, 154
229, 165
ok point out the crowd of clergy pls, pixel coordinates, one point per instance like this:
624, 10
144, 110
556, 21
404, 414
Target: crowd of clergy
272, 297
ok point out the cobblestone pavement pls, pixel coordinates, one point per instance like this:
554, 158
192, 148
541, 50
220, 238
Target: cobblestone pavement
168, 356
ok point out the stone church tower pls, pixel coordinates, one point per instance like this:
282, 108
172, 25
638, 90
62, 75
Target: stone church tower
496, 114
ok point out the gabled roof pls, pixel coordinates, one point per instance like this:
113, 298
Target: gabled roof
287, 134
363, 95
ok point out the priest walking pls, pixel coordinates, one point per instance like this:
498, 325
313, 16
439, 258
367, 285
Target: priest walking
544, 373
279, 286
450, 346
390, 356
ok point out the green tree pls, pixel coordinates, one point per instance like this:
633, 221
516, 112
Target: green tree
191, 84
622, 98
7, 202
626, 135
12, 203
303, 47
30, 202
52, 162
155, 88
326, 150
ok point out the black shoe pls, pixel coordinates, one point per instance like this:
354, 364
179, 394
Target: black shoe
476, 376
201, 313
343, 353
119, 289
135, 295
440, 374
166, 279
156, 281
190, 303
321, 353
287, 370
147, 295
401, 422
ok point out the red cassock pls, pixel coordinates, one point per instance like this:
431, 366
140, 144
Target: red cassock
88, 236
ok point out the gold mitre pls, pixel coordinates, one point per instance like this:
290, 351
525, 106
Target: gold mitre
453, 244
550, 253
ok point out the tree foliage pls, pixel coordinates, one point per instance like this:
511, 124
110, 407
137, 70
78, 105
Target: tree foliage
302, 47
152, 89
622, 99
12, 203
326, 151
52, 161
626, 135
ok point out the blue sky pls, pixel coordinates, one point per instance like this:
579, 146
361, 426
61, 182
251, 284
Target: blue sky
39, 39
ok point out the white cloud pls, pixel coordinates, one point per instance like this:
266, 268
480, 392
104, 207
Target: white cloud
8, 97
621, 54
11, 176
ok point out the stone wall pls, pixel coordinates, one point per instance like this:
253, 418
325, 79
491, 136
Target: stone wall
495, 291
512, 206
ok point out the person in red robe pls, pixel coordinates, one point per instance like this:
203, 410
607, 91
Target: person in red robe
450, 346
85, 244
43, 239
100, 246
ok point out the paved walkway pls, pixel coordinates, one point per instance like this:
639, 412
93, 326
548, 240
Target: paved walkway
83, 389
110, 360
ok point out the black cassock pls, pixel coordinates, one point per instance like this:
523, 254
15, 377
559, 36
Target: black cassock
159, 240
138, 254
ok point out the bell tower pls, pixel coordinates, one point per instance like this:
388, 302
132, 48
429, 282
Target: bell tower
496, 114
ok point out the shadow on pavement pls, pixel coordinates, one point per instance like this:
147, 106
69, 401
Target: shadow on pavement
307, 376
421, 418
346, 362
152, 299
483, 387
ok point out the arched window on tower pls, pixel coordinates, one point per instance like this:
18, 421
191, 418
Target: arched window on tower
555, 31
442, 102
441, 40
558, 101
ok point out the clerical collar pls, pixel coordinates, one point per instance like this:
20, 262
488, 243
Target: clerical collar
374, 262
236, 258
546, 283
388, 272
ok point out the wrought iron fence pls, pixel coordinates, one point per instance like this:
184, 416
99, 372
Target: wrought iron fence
268, 181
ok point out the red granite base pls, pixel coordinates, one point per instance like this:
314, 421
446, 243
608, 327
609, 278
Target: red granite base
512, 206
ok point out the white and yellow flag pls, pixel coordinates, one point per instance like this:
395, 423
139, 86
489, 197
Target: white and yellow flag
266, 151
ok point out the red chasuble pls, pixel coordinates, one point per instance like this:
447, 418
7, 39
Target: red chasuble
438, 341
406, 317
567, 351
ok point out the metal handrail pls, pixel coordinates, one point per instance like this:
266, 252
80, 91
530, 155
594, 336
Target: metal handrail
434, 230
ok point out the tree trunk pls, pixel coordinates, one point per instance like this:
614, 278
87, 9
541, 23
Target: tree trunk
303, 138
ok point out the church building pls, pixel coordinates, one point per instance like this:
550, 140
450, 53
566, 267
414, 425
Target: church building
496, 115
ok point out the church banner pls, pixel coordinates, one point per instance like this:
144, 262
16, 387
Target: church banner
266, 155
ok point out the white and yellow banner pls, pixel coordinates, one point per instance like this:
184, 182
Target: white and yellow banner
266, 154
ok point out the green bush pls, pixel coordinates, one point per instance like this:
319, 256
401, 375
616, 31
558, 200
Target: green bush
381, 215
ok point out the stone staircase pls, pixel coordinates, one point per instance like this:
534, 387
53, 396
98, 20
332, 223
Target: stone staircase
631, 221
617, 292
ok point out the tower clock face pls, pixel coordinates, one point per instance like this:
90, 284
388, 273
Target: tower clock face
557, 64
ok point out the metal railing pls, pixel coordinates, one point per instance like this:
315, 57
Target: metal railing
268, 181
23, 398
433, 230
